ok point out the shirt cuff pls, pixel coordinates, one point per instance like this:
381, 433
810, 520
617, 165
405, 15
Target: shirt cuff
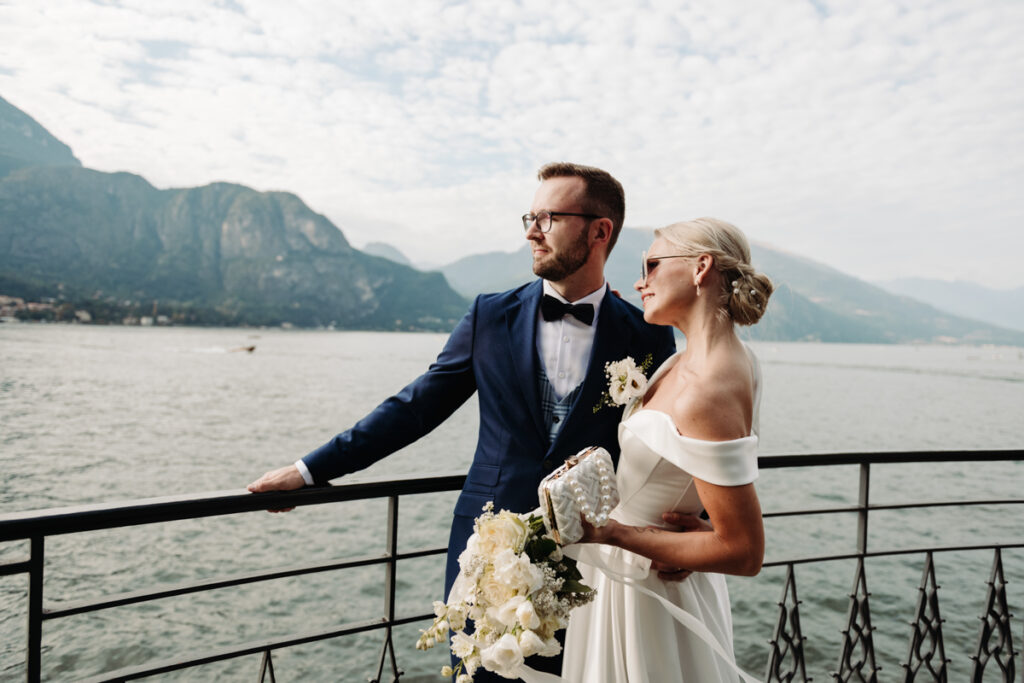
304, 471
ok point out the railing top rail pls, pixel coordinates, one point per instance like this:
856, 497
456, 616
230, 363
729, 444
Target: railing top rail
96, 516
65, 520
887, 458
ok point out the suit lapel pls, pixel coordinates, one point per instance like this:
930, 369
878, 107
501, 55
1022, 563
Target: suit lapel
521, 318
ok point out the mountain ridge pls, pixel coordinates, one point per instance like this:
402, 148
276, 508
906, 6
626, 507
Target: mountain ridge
220, 253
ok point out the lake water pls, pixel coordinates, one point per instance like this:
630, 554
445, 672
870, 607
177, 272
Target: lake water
90, 414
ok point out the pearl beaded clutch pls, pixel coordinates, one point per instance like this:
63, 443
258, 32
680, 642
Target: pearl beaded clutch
583, 485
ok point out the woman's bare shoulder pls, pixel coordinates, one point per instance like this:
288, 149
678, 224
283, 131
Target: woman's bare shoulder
717, 404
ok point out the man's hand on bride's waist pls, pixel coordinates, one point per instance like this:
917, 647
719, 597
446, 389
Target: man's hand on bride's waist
682, 522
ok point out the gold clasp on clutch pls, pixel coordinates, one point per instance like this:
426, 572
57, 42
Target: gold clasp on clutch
551, 515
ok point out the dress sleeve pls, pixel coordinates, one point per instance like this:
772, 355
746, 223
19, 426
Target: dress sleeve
724, 463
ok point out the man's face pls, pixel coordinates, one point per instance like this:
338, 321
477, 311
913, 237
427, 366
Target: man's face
565, 249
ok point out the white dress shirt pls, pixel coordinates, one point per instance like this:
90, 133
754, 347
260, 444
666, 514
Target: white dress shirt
564, 345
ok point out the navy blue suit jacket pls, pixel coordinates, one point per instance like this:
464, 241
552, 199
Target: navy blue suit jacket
492, 351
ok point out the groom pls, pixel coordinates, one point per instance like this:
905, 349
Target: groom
535, 355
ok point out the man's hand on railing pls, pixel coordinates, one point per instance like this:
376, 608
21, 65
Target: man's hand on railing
282, 479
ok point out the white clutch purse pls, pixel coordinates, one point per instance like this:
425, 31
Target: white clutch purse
583, 485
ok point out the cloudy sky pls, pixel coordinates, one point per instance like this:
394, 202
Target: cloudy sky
884, 138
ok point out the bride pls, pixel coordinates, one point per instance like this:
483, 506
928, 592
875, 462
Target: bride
690, 444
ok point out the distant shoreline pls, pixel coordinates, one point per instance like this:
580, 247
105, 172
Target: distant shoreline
51, 310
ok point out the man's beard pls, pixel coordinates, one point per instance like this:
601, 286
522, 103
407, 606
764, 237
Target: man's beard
566, 263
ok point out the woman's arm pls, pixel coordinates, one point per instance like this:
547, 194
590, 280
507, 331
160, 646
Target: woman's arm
734, 546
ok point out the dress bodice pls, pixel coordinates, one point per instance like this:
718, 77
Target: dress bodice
657, 464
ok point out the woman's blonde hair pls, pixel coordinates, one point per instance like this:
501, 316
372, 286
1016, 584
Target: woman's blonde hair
744, 293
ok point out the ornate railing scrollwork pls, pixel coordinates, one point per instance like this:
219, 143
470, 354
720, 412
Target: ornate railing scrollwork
857, 661
786, 659
995, 641
927, 651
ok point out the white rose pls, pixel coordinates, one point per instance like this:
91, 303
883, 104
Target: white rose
527, 616
439, 608
446, 670
504, 657
530, 643
462, 645
492, 619
464, 678
495, 589
505, 530
517, 573
507, 612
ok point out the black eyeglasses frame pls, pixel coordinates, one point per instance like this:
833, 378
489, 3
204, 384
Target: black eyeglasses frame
530, 218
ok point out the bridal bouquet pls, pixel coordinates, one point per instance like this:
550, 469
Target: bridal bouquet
516, 587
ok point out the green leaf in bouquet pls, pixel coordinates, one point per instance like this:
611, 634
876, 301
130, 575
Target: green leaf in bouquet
572, 572
539, 549
574, 586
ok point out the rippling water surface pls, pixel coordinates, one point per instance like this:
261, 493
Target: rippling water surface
100, 414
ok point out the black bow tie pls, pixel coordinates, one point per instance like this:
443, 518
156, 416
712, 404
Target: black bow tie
553, 309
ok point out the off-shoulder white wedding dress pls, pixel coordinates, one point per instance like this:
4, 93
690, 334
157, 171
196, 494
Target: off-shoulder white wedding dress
627, 634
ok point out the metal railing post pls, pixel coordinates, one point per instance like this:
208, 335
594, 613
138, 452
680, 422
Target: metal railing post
862, 504
390, 580
390, 572
33, 657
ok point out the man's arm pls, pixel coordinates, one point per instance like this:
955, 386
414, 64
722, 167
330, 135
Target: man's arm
398, 421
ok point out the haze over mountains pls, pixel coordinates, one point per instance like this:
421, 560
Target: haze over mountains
812, 302
227, 254
1003, 307
221, 254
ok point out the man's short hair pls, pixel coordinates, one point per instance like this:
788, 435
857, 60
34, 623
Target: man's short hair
603, 195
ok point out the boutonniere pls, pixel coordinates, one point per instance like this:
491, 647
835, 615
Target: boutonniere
626, 381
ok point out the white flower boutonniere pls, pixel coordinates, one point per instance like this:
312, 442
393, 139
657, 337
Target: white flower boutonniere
626, 381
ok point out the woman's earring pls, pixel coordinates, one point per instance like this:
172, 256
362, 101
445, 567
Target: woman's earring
698, 289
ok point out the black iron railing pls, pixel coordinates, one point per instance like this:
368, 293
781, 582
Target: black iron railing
785, 657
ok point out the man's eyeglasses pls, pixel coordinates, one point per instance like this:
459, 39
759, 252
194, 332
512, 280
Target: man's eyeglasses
648, 264
544, 218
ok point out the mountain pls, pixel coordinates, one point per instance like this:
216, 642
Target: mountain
1003, 307
221, 253
23, 142
812, 302
385, 250
494, 271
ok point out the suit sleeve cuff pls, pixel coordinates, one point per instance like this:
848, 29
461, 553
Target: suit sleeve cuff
304, 471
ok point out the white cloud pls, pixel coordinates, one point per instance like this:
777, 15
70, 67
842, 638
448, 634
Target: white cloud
880, 138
